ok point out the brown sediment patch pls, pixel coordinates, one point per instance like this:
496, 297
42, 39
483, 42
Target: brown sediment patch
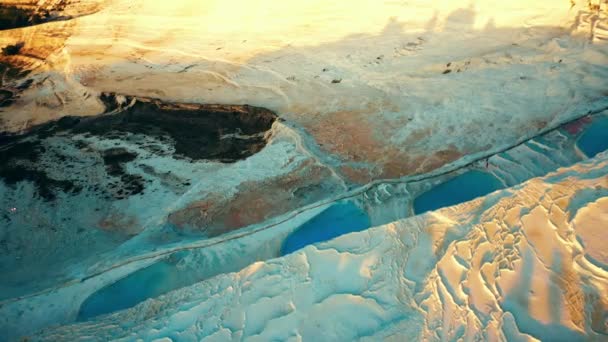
440, 158
351, 136
354, 136
119, 223
347, 134
254, 202
577, 126
358, 175
400, 165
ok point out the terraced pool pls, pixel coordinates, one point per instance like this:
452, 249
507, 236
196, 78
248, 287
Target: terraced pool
339, 219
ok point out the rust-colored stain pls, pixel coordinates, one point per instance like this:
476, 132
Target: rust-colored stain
254, 202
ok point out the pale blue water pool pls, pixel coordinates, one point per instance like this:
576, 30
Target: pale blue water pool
165, 275
149, 282
595, 137
339, 219
462, 188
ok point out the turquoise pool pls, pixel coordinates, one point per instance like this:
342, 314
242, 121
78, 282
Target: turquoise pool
339, 219
462, 188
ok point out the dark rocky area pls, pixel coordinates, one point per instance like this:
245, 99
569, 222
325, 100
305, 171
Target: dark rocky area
18, 163
224, 133
59, 156
12, 17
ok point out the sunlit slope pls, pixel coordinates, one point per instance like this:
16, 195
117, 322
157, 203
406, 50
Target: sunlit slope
385, 89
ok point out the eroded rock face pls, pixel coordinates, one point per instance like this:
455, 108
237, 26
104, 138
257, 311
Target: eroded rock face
15, 17
57, 156
224, 133
23, 13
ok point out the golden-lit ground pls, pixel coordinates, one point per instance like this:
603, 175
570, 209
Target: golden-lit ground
388, 75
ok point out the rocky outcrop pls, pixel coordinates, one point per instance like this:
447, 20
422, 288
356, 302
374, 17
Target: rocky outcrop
23, 13
221, 133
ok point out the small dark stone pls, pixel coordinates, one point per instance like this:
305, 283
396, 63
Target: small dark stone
11, 50
447, 71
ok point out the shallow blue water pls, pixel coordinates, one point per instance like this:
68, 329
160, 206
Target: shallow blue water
462, 188
148, 282
165, 275
595, 137
339, 219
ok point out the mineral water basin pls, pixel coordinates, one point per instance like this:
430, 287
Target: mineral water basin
165, 275
149, 282
594, 138
462, 188
339, 219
